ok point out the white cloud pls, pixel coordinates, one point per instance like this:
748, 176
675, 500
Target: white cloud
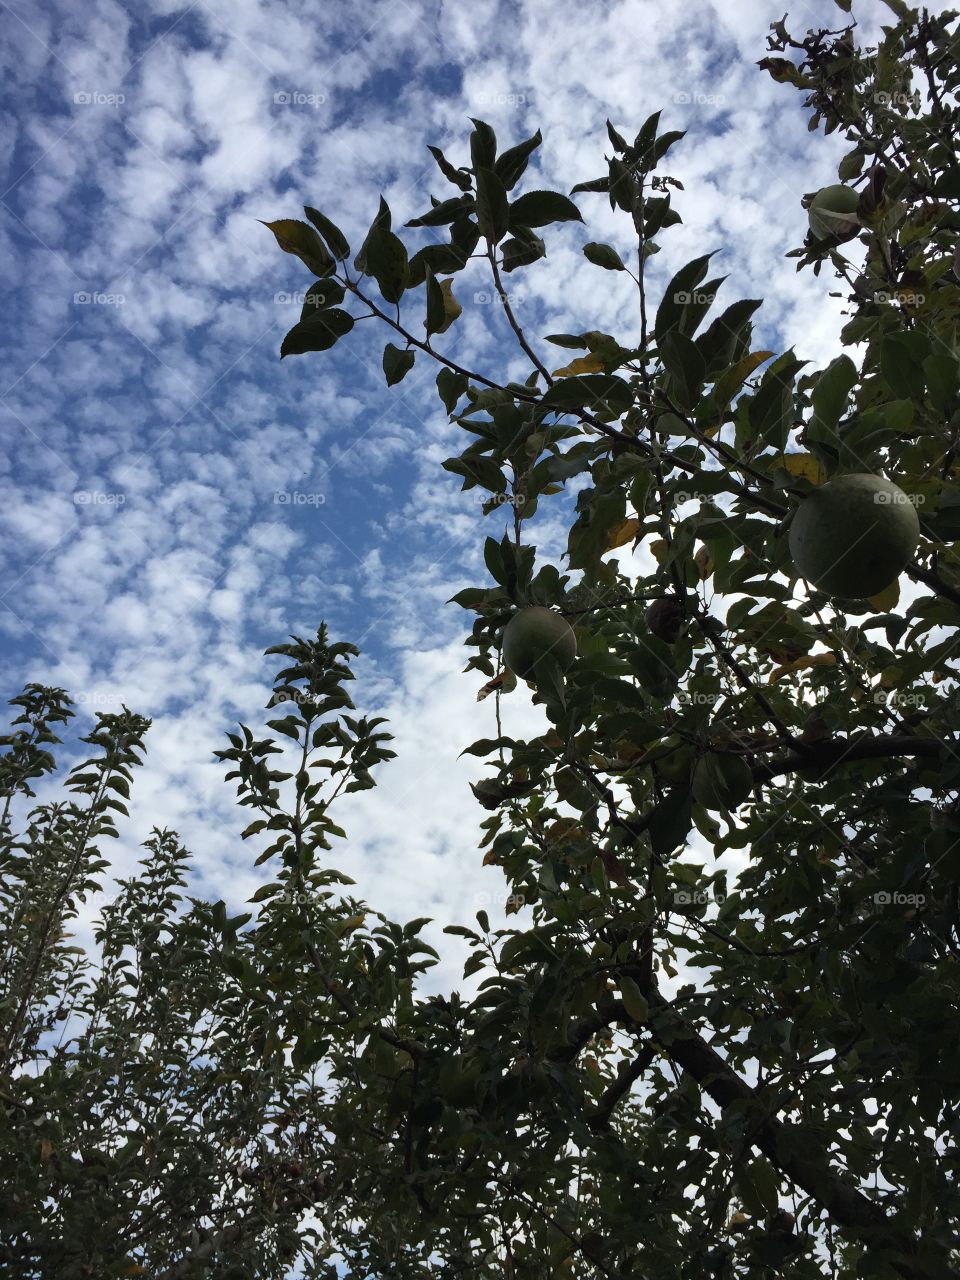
176, 399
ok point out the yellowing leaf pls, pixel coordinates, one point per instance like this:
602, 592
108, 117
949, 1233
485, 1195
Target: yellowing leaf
658, 549
451, 307
633, 999
622, 532
886, 599
803, 465
583, 364
300, 239
814, 660
737, 1219
704, 562
730, 382
349, 926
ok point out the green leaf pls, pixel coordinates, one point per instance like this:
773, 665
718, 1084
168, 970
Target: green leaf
539, 208
477, 469
318, 334
456, 176
644, 140
493, 559
440, 258
901, 363
830, 397
334, 238
568, 340
397, 363
596, 391
483, 145
670, 822
595, 184
603, 255
511, 166
320, 295
451, 386
679, 295
303, 242
493, 210
634, 1001
436, 314
443, 212
386, 259
383, 219
682, 359
525, 248
942, 372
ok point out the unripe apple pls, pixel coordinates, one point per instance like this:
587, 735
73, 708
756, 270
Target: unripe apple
831, 209
853, 536
533, 633
721, 780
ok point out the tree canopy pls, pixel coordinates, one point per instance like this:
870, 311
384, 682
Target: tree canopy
662, 1074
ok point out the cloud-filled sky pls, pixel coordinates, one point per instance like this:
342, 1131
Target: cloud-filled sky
174, 499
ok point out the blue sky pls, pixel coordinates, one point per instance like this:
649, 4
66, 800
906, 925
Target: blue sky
150, 425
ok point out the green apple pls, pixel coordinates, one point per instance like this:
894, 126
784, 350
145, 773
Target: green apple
832, 210
854, 535
533, 633
721, 780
